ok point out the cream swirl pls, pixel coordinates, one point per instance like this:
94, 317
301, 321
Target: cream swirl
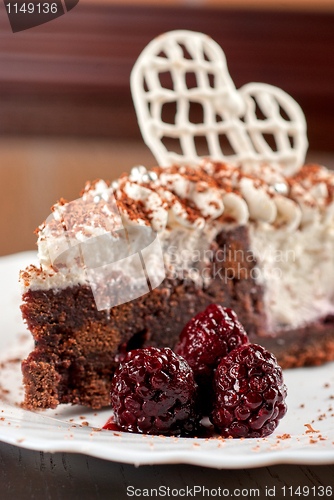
313, 189
154, 205
193, 199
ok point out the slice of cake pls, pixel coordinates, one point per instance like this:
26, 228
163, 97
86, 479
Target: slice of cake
128, 265
257, 242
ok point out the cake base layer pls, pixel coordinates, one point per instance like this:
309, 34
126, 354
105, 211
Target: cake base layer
312, 345
73, 361
77, 347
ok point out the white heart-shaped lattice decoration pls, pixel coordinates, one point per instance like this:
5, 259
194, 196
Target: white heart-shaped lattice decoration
258, 123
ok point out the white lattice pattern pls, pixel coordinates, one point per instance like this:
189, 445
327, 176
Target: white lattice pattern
258, 123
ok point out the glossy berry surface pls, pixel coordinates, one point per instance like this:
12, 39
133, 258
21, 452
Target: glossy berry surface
210, 336
249, 393
154, 392
205, 340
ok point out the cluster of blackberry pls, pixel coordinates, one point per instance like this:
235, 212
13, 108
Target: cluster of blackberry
214, 371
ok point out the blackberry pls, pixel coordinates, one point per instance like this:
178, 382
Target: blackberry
249, 393
205, 340
154, 392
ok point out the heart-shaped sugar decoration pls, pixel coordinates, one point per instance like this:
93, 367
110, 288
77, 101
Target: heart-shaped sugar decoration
256, 124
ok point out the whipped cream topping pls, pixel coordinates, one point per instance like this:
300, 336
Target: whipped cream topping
187, 208
154, 206
313, 188
221, 192
93, 215
185, 197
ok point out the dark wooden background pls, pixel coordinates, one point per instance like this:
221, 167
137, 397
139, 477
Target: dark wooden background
70, 77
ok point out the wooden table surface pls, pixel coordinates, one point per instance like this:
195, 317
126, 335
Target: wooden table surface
26, 474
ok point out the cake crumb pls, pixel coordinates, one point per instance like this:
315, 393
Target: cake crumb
85, 423
302, 406
309, 428
285, 436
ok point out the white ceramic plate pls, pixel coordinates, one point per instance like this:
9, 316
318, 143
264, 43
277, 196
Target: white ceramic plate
311, 399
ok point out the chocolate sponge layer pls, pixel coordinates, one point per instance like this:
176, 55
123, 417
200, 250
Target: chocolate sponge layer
77, 347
